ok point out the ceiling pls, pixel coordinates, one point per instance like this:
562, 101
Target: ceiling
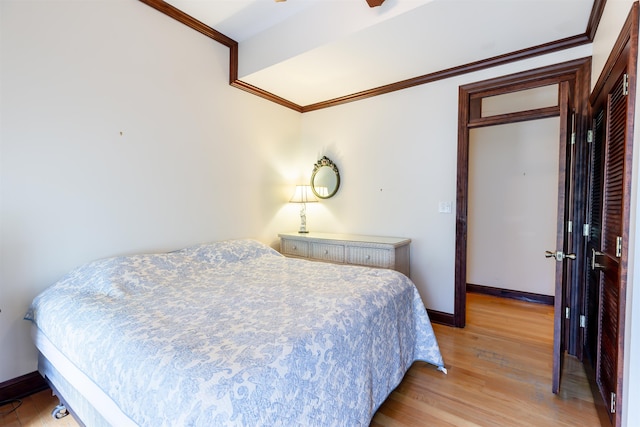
309, 51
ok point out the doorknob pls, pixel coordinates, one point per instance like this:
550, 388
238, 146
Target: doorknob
558, 255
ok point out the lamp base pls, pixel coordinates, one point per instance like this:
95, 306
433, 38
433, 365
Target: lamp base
303, 231
303, 219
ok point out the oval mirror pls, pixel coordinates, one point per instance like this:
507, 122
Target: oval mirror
325, 179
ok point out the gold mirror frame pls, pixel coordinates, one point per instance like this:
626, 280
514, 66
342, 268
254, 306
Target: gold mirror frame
325, 179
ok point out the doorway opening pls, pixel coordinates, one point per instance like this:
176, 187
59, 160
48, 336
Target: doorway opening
572, 80
576, 73
513, 196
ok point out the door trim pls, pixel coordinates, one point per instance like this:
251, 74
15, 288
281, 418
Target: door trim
576, 73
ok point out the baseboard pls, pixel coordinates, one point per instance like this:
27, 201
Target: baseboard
22, 386
511, 294
440, 317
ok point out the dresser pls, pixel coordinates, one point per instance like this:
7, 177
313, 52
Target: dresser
371, 251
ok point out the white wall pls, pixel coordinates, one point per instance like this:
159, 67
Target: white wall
397, 156
120, 134
513, 205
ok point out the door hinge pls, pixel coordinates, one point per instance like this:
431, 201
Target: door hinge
567, 313
583, 321
618, 247
569, 226
589, 135
625, 84
586, 230
613, 403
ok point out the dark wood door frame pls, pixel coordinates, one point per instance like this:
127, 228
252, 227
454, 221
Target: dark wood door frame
577, 74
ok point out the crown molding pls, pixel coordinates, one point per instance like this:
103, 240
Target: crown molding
266, 95
543, 49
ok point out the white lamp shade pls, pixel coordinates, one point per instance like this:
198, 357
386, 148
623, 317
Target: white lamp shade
303, 194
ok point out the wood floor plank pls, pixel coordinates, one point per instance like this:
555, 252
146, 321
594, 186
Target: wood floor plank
29, 414
8, 414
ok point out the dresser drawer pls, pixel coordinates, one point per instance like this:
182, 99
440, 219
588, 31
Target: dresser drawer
294, 248
370, 251
327, 252
371, 257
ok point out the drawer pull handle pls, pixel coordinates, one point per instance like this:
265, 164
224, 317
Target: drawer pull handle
326, 252
367, 257
295, 248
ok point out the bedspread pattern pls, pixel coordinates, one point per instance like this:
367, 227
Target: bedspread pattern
233, 333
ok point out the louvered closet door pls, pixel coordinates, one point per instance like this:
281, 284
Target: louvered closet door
594, 243
611, 245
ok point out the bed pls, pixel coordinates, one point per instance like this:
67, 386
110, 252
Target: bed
228, 333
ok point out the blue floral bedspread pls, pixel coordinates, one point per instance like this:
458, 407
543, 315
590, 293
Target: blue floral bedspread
233, 333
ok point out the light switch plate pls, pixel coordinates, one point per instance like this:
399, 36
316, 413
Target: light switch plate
444, 207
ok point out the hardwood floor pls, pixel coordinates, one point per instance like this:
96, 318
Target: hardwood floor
35, 410
499, 375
